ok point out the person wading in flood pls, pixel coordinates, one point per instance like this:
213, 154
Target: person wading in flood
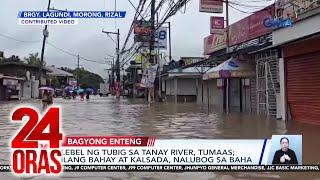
82, 96
87, 95
50, 99
45, 99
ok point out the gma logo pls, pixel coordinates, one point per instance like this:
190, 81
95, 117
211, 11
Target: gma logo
277, 23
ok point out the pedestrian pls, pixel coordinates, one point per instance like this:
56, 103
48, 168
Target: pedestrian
45, 97
50, 99
82, 96
87, 95
74, 94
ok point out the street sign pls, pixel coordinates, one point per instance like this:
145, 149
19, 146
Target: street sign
217, 25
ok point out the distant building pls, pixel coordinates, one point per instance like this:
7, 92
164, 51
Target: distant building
19, 78
64, 78
183, 85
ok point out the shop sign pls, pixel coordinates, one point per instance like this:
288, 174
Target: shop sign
161, 39
211, 6
214, 43
141, 27
217, 25
276, 23
250, 27
191, 60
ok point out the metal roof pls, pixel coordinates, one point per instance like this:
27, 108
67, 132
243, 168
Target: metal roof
53, 71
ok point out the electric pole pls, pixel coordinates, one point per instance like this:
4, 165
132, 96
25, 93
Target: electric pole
78, 70
118, 56
45, 35
151, 45
152, 39
117, 68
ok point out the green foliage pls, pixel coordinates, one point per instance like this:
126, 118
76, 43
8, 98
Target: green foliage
34, 60
86, 78
55, 82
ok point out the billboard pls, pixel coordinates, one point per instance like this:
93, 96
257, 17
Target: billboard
250, 27
161, 39
214, 42
191, 60
216, 25
211, 6
141, 27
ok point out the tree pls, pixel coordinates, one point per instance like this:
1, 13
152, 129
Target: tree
86, 78
34, 60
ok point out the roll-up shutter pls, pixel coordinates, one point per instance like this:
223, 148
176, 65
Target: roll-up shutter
303, 87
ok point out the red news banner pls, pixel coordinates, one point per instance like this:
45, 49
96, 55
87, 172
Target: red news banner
40, 147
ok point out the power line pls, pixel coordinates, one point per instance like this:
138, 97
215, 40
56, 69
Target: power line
23, 41
60, 49
74, 55
141, 5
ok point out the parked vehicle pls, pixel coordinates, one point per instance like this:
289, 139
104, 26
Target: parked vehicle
104, 89
58, 92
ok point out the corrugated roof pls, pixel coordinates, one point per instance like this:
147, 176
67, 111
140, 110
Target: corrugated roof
190, 70
53, 71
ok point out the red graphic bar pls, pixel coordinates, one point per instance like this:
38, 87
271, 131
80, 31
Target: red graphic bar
112, 141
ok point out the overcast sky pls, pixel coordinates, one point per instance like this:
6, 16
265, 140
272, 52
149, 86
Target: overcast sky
86, 38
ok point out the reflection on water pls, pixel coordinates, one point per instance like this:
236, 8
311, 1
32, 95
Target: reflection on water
109, 116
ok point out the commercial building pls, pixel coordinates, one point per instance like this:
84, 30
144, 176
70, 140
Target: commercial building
300, 60
285, 57
182, 85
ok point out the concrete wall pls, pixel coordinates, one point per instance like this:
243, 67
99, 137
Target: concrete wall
282, 103
298, 30
26, 94
35, 89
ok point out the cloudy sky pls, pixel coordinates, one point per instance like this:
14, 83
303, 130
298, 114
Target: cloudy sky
86, 38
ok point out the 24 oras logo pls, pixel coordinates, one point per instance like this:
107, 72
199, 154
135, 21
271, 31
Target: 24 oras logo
35, 148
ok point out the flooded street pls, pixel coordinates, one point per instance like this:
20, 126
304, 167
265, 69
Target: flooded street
109, 116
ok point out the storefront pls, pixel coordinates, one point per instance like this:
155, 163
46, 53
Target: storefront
183, 85
230, 82
300, 61
302, 64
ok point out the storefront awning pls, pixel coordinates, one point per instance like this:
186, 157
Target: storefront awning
187, 72
231, 68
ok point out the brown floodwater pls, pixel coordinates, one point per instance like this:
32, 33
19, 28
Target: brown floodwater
110, 116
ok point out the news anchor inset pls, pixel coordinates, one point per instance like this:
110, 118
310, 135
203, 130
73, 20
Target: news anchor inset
284, 155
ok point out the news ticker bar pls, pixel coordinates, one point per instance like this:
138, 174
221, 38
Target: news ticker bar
183, 168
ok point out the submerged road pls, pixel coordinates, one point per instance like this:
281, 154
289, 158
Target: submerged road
110, 116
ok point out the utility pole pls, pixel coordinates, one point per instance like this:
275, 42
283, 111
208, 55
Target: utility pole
151, 43
78, 70
227, 42
118, 56
152, 39
117, 60
170, 56
45, 35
